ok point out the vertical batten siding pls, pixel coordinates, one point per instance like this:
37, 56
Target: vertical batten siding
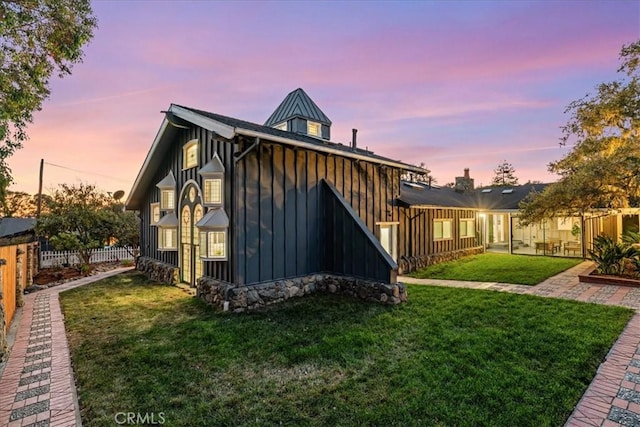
291, 220
416, 231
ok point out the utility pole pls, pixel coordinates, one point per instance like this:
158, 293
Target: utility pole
40, 189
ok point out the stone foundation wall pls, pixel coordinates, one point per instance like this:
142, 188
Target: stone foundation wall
410, 264
158, 271
242, 298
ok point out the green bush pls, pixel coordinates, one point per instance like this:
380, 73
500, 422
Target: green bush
611, 256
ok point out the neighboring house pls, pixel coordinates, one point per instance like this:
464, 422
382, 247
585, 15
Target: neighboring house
436, 224
226, 204
17, 230
492, 213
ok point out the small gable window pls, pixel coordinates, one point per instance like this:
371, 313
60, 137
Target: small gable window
167, 192
213, 182
213, 229
155, 213
213, 191
168, 232
313, 128
190, 154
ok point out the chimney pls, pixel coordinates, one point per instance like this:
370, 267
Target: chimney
354, 133
466, 173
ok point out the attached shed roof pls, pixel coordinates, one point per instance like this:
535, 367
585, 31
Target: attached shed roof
297, 104
228, 128
11, 227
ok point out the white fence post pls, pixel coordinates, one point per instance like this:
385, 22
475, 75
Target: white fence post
53, 258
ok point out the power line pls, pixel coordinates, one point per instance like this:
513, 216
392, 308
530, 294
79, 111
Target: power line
85, 172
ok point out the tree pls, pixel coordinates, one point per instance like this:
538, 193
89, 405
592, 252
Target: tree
504, 175
417, 177
37, 38
20, 204
601, 170
83, 219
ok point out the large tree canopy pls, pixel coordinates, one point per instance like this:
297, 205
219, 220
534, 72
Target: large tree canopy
602, 170
37, 38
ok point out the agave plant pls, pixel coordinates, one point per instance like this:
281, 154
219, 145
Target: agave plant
610, 255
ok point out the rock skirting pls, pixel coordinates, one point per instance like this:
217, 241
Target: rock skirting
410, 264
242, 298
158, 271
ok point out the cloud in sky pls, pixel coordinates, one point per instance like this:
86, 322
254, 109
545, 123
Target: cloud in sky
451, 84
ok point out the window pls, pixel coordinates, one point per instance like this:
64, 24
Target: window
213, 191
167, 238
313, 128
212, 175
441, 229
281, 126
467, 227
213, 235
167, 189
190, 154
213, 244
167, 200
155, 213
389, 237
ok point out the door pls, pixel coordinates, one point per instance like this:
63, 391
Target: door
190, 213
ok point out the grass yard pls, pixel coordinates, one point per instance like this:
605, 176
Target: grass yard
448, 357
503, 268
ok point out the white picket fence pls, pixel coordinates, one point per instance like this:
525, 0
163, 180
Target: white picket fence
56, 258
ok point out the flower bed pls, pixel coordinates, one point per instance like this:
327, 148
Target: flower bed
606, 279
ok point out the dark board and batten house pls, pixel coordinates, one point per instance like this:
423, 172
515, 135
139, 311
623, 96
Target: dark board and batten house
252, 214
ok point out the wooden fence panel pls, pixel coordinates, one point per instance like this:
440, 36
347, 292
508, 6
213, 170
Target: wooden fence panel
8, 271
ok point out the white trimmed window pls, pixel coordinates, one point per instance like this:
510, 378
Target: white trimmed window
313, 128
167, 238
167, 199
155, 213
213, 191
467, 228
388, 235
213, 245
441, 229
190, 154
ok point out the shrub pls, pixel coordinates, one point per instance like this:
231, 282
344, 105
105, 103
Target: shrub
611, 256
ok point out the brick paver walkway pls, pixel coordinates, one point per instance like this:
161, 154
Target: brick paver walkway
37, 388
613, 397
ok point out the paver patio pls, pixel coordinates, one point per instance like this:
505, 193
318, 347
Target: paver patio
37, 386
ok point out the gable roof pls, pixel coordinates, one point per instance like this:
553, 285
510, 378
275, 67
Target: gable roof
297, 104
503, 198
491, 198
177, 117
419, 195
10, 227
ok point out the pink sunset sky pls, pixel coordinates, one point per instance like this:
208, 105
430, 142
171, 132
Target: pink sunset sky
452, 84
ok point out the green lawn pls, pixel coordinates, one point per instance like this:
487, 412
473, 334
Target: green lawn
447, 357
503, 268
